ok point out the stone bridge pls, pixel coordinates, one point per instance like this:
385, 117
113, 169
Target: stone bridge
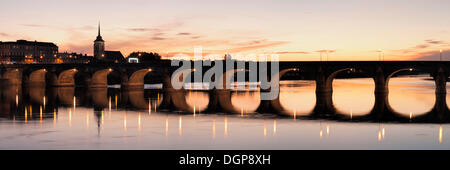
132, 77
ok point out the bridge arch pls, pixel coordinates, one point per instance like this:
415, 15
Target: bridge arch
354, 97
137, 78
197, 100
330, 78
388, 78
175, 94
100, 78
178, 79
14, 76
276, 104
411, 96
37, 78
67, 78
224, 96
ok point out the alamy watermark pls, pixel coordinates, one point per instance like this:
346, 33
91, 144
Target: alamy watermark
218, 79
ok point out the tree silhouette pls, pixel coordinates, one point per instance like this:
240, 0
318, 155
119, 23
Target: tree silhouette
145, 56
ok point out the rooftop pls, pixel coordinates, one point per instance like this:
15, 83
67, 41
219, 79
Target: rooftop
25, 42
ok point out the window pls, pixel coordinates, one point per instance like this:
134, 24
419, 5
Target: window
133, 60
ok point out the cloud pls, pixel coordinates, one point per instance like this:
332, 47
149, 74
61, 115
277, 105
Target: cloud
254, 42
324, 51
293, 52
158, 38
431, 41
143, 29
254, 47
85, 49
87, 28
160, 28
422, 46
431, 56
4, 34
184, 33
33, 25
419, 50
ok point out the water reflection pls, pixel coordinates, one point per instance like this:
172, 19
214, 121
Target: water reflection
304, 94
76, 114
245, 101
354, 97
411, 96
198, 100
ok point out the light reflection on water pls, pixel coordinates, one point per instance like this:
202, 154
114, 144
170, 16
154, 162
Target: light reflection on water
72, 123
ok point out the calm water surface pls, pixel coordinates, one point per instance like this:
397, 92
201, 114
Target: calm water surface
68, 118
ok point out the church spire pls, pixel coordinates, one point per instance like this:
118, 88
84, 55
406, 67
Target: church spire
99, 28
99, 36
99, 45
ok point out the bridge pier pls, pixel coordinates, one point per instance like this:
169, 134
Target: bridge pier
224, 100
324, 93
381, 109
440, 108
440, 79
213, 101
381, 86
324, 103
381, 106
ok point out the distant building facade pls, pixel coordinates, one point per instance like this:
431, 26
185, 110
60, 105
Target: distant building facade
27, 51
72, 58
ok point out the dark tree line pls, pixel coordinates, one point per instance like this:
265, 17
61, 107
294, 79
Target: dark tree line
145, 56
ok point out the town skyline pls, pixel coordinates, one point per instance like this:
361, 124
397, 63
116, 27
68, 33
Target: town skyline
355, 31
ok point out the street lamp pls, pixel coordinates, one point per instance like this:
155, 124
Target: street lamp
320, 54
379, 54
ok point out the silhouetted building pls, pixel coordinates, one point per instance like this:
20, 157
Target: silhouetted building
99, 46
101, 55
27, 51
114, 57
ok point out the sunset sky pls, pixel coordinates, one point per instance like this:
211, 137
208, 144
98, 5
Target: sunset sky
295, 29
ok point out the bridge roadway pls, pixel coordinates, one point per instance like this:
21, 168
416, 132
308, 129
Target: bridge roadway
131, 77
